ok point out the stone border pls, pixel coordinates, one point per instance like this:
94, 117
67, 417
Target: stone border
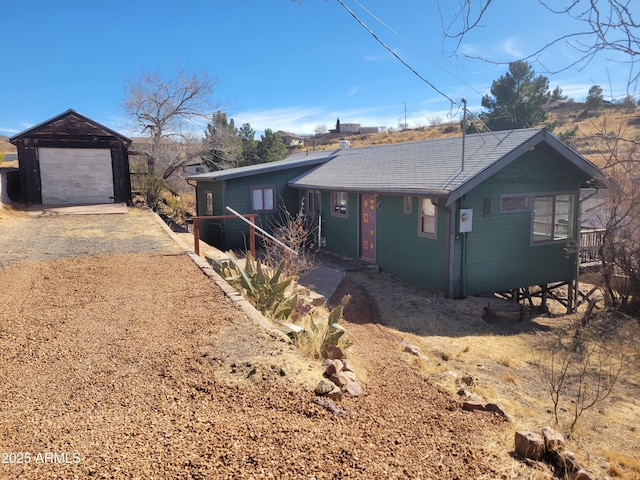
236, 297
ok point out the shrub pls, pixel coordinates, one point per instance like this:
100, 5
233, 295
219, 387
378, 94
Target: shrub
313, 329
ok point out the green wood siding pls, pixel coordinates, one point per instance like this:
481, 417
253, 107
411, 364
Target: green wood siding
499, 254
236, 193
341, 233
402, 252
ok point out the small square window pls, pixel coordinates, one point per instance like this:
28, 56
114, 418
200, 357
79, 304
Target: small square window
262, 199
339, 204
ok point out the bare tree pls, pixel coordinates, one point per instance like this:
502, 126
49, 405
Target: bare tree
620, 250
167, 109
598, 26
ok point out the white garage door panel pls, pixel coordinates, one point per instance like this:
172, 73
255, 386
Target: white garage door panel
75, 175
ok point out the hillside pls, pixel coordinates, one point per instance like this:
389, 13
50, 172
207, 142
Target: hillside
613, 120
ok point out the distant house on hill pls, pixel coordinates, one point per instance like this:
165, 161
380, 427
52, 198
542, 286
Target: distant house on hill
352, 129
501, 218
291, 139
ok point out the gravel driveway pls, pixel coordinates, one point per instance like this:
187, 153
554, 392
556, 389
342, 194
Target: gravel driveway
33, 236
120, 359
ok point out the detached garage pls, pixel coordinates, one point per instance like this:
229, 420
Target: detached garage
73, 160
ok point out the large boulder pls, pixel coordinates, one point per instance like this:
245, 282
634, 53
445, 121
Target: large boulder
530, 445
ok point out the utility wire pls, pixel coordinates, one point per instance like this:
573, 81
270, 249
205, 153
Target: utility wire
403, 38
395, 54
453, 102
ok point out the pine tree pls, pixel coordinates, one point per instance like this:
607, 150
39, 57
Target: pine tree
271, 148
517, 99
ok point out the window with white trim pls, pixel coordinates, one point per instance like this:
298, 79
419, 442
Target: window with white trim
553, 218
339, 204
427, 218
263, 199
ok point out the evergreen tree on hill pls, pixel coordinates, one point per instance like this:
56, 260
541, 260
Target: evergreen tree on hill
517, 99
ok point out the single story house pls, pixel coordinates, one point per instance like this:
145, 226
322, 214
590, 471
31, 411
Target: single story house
71, 159
463, 216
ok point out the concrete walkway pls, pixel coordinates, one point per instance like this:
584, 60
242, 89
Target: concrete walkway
323, 280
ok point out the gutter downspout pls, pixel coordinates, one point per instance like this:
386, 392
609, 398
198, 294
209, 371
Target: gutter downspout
452, 249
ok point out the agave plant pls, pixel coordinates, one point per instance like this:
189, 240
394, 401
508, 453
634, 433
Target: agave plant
266, 289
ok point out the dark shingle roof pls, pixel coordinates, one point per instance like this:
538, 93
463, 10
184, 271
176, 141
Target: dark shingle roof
431, 167
293, 161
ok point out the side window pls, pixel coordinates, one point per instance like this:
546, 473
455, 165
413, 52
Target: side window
553, 217
427, 218
312, 202
262, 199
208, 202
514, 203
339, 204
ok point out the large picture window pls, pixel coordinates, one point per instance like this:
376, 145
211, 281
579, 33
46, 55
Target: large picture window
552, 218
262, 199
339, 204
428, 220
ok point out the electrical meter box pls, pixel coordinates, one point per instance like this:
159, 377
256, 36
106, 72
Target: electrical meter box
466, 220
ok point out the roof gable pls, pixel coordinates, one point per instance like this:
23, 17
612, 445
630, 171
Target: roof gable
68, 124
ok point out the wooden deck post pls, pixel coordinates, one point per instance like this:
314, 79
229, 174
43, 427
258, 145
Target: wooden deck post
196, 236
252, 237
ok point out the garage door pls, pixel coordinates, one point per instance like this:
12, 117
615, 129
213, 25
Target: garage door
73, 176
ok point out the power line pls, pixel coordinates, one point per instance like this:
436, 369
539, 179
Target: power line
403, 38
395, 54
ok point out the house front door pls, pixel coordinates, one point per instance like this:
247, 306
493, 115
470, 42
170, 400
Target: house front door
368, 227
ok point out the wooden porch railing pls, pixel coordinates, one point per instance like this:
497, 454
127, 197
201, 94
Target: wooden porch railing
196, 230
590, 243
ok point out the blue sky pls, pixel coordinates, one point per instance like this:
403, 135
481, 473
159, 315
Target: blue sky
279, 64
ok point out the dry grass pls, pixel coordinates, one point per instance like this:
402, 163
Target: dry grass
502, 360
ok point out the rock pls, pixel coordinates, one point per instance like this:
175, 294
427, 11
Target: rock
346, 365
334, 367
339, 379
353, 389
553, 440
335, 394
412, 349
580, 475
529, 445
324, 387
492, 407
467, 380
333, 353
348, 375
472, 405
449, 374
566, 461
